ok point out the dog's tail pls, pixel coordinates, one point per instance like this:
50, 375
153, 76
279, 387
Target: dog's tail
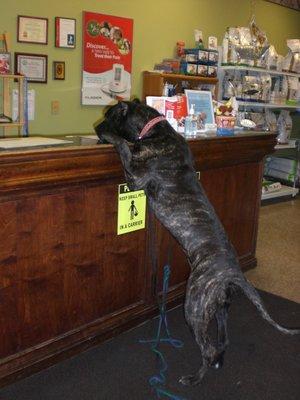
254, 297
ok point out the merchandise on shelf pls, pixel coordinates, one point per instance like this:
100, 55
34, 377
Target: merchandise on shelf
245, 46
212, 43
294, 55
196, 61
226, 117
180, 45
171, 65
261, 87
198, 38
259, 119
190, 124
271, 121
202, 62
284, 124
284, 169
248, 46
270, 186
293, 96
174, 108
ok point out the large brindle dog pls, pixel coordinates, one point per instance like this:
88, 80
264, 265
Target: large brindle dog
161, 164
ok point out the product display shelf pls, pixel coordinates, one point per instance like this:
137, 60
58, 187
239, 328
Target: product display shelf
290, 145
284, 191
242, 103
256, 69
153, 82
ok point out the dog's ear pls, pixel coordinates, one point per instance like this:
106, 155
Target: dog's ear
123, 108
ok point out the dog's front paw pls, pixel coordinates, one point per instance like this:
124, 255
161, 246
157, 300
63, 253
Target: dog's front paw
190, 380
102, 140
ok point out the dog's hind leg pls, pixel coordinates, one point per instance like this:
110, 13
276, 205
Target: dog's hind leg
208, 352
221, 318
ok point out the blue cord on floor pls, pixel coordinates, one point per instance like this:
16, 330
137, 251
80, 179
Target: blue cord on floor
156, 381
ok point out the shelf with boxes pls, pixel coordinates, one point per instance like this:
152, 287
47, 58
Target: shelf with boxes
154, 82
202, 62
193, 68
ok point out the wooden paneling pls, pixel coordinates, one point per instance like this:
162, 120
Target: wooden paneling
235, 203
63, 265
66, 279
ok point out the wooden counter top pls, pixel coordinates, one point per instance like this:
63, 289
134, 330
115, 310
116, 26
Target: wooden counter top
67, 164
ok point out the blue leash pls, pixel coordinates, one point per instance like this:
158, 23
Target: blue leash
160, 379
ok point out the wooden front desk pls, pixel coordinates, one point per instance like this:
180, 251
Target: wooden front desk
67, 281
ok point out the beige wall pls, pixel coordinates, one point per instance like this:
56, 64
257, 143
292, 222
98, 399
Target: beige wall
157, 26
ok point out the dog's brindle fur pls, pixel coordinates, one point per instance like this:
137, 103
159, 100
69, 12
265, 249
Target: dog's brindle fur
161, 164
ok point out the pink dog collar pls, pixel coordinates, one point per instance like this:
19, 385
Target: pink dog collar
150, 124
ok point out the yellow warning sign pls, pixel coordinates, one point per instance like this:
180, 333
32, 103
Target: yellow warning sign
131, 209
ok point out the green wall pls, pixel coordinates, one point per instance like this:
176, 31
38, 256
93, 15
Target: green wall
157, 26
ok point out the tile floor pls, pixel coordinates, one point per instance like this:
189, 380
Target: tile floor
278, 250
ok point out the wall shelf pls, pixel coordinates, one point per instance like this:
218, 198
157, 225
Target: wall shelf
254, 104
183, 77
153, 82
260, 70
290, 145
242, 103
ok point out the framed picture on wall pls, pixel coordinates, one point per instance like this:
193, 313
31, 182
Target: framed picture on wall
32, 29
65, 32
59, 70
33, 66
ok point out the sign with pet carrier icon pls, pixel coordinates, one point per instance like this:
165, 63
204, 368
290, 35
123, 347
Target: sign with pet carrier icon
131, 210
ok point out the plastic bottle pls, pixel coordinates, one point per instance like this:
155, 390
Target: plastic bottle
190, 127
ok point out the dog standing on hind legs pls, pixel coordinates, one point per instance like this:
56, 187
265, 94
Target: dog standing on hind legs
161, 164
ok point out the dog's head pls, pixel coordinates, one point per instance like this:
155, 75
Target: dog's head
126, 119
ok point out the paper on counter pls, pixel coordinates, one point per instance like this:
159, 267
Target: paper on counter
15, 143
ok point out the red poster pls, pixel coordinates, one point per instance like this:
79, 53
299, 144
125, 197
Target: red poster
107, 57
